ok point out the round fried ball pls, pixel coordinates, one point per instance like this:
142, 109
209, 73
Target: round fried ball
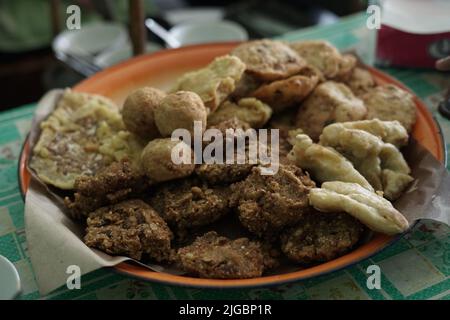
157, 162
138, 112
180, 110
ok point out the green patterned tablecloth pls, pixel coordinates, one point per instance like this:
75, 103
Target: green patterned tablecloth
416, 267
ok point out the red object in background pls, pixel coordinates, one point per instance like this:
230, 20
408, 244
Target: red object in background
399, 48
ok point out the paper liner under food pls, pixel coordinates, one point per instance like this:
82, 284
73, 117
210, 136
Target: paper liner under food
55, 241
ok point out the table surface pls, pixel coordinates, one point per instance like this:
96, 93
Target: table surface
416, 267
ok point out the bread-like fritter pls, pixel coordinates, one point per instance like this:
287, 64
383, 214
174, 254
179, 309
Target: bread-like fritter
269, 60
347, 64
130, 228
215, 82
268, 203
329, 102
324, 163
360, 81
320, 237
213, 256
368, 207
389, 102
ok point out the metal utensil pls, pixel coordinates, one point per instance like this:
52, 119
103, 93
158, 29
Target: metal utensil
161, 32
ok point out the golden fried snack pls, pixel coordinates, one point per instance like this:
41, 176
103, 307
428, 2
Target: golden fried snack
329, 102
215, 82
285, 93
137, 112
158, 163
320, 237
360, 81
213, 256
75, 139
268, 203
324, 163
130, 228
346, 65
269, 60
389, 102
321, 55
245, 86
368, 207
248, 110
179, 110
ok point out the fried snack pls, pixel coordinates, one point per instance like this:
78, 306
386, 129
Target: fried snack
248, 110
321, 55
324, 163
130, 228
389, 102
215, 82
213, 256
269, 60
117, 182
346, 65
190, 203
216, 173
320, 237
72, 136
329, 102
158, 164
268, 203
368, 207
232, 123
389, 131
245, 86
179, 110
138, 112
360, 81
285, 93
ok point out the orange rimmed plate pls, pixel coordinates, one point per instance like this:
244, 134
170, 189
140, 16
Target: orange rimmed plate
160, 70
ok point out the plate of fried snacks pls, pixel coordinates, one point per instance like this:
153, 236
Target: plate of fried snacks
233, 164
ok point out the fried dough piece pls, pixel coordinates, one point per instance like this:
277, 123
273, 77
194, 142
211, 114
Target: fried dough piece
248, 110
245, 86
215, 82
115, 183
269, 60
268, 203
320, 237
129, 228
285, 93
329, 102
368, 207
213, 256
346, 65
389, 102
324, 163
360, 81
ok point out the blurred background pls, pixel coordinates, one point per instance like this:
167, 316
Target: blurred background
38, 53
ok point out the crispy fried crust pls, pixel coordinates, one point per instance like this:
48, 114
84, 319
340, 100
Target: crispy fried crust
129, 228
212, 256
320, 237
360, 81
268, 203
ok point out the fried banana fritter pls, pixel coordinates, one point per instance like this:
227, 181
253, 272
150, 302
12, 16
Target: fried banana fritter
389, 102
320, 237
113, 184
129, 228
269, 60
329, 102
213, 256
368, 207
268, 203
360, 81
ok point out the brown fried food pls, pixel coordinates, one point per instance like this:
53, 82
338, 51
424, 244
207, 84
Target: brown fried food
213, 256
268, 203
138, 112
389, 102
329, 102
346, 65
269, 60
113, 184
190, 203
129, 228
360, 81
245, 86
282, 94
232, 123
320, 237
223, 173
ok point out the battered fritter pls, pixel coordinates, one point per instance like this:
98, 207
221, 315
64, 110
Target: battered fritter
320, 237
130, 228
268, 203
360, 81
213, 256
